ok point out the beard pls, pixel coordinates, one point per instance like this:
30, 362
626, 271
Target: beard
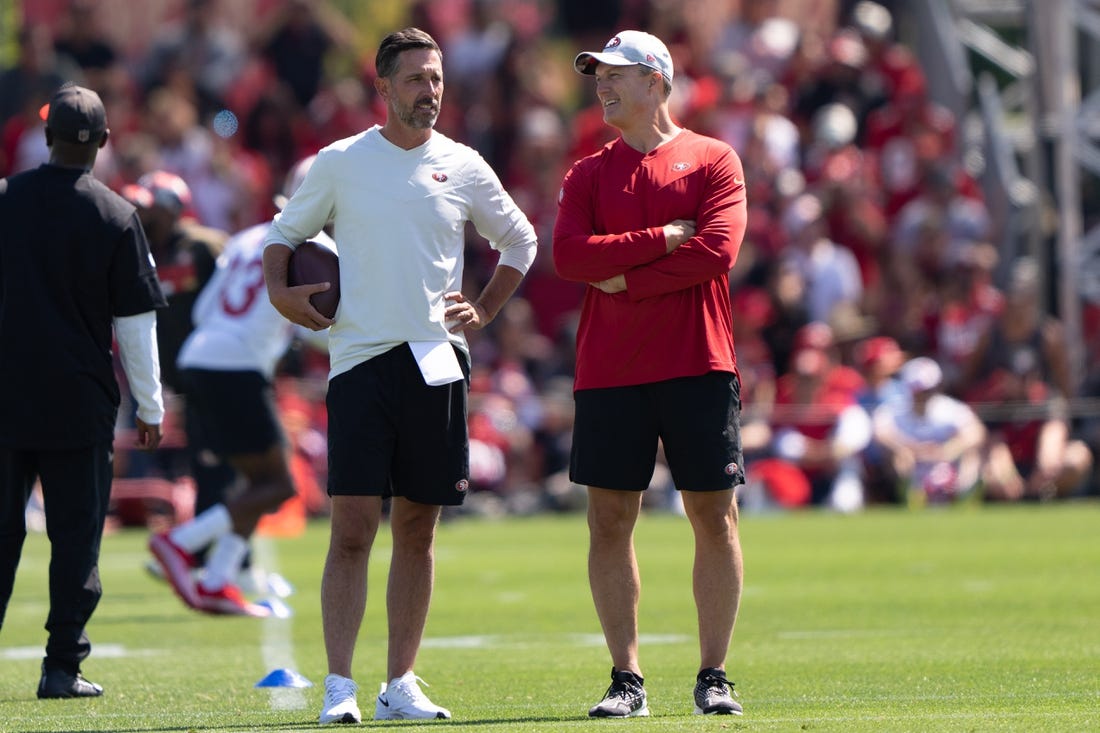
416, 117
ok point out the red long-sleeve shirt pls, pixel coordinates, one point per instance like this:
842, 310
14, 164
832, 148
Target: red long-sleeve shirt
674, 318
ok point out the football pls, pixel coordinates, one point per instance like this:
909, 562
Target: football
311, 263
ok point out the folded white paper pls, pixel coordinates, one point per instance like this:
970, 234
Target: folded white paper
437, 362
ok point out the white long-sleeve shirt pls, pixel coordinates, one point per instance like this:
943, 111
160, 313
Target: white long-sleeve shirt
236, 327
399, 221
137, 347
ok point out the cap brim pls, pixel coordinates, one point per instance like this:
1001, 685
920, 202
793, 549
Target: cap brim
585, 63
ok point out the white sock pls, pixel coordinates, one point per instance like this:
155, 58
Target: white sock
203, 529
225, 561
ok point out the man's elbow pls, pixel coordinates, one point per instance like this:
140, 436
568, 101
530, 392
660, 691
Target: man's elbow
726, 261
564, 266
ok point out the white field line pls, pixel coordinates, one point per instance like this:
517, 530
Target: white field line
102, 651
276, 647
519, 641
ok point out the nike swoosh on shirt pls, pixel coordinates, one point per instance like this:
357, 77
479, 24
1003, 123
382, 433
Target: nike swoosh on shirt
738, 181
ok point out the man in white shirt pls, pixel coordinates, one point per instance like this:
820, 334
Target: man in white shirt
398, 196
934, 441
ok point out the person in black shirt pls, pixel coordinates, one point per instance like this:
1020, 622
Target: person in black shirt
74, 266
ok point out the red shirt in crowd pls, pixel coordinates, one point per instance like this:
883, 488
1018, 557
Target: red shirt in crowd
674, 318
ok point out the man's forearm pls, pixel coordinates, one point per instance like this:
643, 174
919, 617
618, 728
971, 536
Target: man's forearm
276, 258
501, 286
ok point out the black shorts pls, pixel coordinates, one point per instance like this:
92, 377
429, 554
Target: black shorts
235, 411
697, 419
390, 434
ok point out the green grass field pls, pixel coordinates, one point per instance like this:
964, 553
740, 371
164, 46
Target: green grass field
969, 619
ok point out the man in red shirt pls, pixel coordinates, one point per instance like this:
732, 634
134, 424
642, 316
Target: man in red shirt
653, 223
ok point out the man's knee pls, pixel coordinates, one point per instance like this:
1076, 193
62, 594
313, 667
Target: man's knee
413, 525
712, 514
612, 514
354, 524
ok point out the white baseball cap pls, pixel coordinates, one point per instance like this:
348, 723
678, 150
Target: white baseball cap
921, 374
627, 48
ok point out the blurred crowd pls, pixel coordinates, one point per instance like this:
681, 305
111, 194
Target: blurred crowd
883, 358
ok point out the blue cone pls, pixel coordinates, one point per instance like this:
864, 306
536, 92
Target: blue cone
284, 678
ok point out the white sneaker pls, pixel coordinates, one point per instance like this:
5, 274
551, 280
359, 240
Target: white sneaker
403, 700
340, 705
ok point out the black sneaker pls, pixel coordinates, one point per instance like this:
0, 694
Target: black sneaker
59, 683
625, 698
714, 694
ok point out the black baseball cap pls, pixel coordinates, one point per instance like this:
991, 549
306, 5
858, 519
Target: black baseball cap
75, 115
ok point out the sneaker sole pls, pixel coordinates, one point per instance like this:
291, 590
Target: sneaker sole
723, 711
218, 608
345, 719
639, 713
389, 715
69, 694
175, 569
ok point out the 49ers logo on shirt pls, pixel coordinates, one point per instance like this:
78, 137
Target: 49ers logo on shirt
681, 166
439, 177
462, 485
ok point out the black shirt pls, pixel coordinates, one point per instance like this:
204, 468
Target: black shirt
73, 256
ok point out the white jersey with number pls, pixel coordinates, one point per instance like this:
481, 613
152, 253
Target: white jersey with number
236, 327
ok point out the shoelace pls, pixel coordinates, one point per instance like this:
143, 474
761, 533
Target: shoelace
410, 689
717, 683
623, 690
340, 687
